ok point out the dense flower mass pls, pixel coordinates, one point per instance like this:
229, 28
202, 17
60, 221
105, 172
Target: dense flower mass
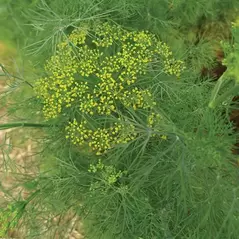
101, 139
96, 72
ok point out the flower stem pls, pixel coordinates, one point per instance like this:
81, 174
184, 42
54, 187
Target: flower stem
215, 91
222, 80
224, 96
22, 124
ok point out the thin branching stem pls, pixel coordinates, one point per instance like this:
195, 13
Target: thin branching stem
7, 74
23, 124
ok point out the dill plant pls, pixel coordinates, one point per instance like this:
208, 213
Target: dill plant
164, 182
152, 162
105, 85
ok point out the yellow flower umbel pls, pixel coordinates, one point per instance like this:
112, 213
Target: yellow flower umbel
96, 73
107, 173
101, 139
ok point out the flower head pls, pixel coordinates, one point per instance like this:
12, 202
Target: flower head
98, 76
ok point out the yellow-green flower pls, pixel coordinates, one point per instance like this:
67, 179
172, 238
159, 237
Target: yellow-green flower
107, 173
96, 72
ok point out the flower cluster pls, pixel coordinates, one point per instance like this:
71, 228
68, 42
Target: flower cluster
109, 174
96, 72
101, 139
107, 34
171, 65
59, 93
153, 119
77, 132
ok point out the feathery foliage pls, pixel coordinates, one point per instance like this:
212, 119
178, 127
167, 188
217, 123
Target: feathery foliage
126, 140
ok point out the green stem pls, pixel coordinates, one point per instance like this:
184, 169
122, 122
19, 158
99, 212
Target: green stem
216, 89
22, 124
224, 96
